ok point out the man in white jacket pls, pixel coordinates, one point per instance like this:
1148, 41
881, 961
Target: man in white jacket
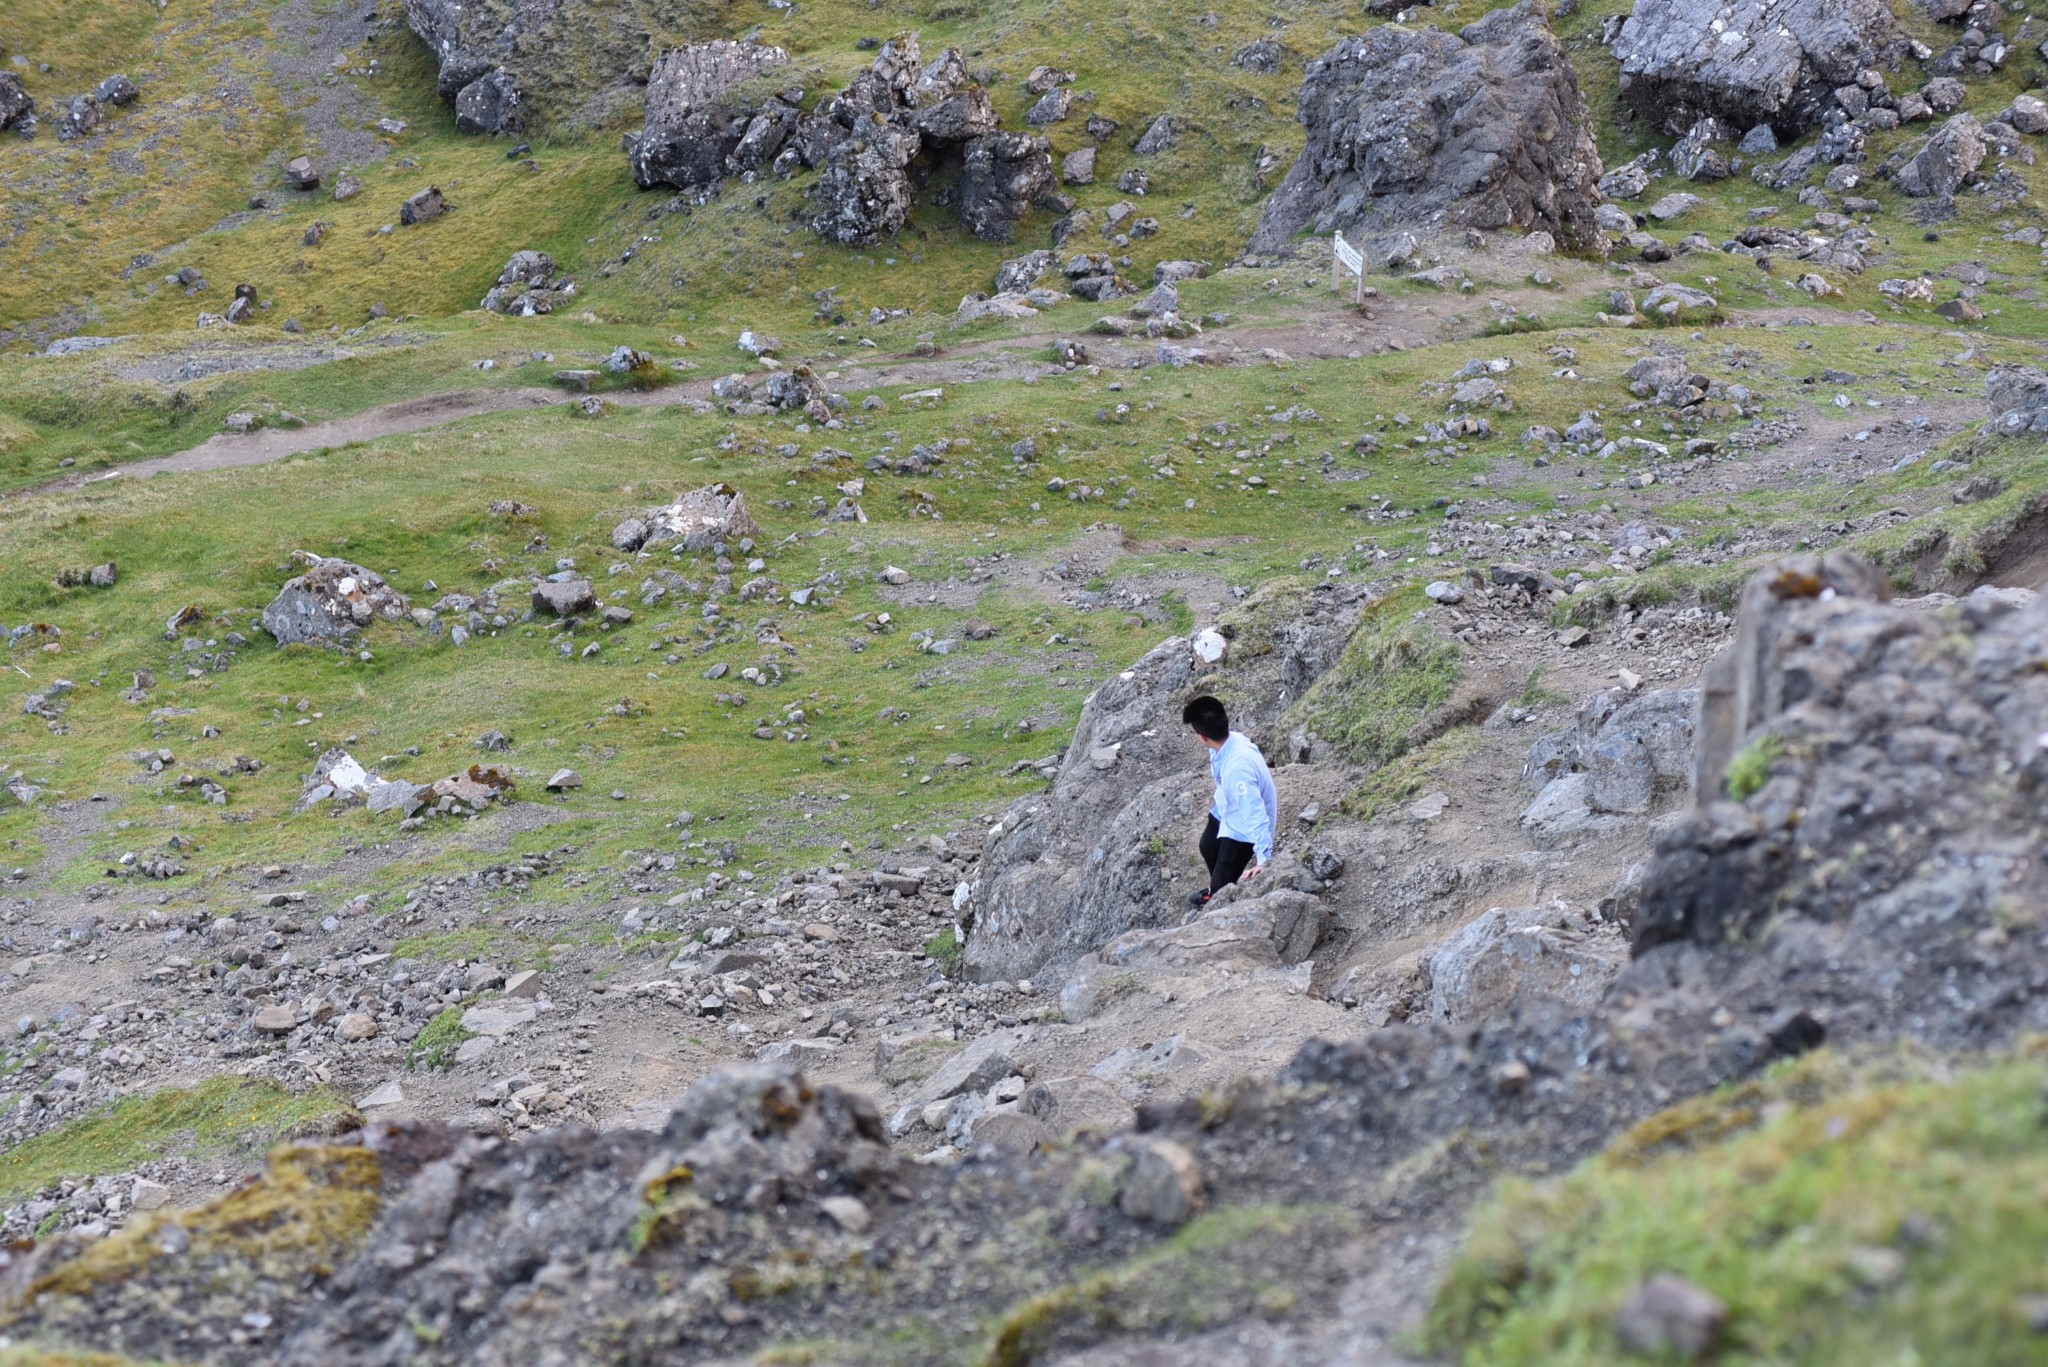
1238, 841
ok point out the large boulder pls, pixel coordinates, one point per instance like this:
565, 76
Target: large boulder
947, 105
863, 194
699, 519
1631, 750
703, 102
1002, 176
1749, 62
1945, 161
511, 64
1412, 128
1865, 766
335, 598
489, 104
1508, 958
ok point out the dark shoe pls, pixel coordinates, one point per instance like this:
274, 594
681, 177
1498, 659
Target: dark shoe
1199, 898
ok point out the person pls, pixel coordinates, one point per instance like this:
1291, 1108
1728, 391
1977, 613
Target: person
1238, 840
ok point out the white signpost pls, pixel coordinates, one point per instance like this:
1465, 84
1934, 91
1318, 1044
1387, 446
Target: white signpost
1345, 257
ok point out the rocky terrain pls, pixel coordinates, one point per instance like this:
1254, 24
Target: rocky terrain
598, 600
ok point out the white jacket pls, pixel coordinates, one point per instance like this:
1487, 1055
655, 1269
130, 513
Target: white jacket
1246, 807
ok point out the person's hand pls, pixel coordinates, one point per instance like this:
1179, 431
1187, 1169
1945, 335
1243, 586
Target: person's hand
1250, 873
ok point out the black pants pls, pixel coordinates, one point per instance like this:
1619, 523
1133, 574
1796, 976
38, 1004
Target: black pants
1227, 859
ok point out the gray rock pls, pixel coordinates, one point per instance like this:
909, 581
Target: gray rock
335, 598
565, 780
301, 174
1946, 161
1157, 138
863, 194
698, 112
1002, 176
1078, 168
1021, 273
1508, 958
1668, 1315
15, 103
490, 104
1749, 62
2018, 397
1759, 141
423, 207
946, 105
564, 598
1406, 127
116, 90
1164, 1184
83, 115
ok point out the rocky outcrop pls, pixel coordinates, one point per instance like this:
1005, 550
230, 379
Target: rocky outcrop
901, 119
2018, 396
1862, 767
1510, 959
512, 65
707, 117
1774, 62
333, 599
528, 286
1420, 128
1072, 869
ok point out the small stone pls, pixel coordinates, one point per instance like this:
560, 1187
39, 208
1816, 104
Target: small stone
148, 1195
1441, 591
1164, 1185
1574, 636
356, 1027
386, 1094
523, 984
818, 930
565, 780
850, 1213
276, 1020
1668, 1314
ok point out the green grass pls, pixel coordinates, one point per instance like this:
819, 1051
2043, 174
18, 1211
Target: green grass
218, 1114
1946, 1176
435, 1045
1393, 673
1751, 767
944, 949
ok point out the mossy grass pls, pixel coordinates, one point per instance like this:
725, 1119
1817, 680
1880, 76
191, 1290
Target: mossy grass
1843, 1215
210, 1118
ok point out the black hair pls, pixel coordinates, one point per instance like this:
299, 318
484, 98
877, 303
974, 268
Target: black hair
1208, 718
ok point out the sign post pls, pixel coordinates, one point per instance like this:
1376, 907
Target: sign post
1345, 257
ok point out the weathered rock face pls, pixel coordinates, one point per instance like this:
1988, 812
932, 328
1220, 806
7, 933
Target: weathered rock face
1411, 128
902, 118
15, 102
508, 64
700, 519
1906, 742
1077, 866
703, 104
1751, 62
1506, 959
333, 599
1002, 176
1946, 161
864, 192
2018, 396
1630, 750
489, 104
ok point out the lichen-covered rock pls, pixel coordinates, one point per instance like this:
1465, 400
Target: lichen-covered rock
1506, 958
16, 103
2018, 396
1002, 176
527, 286
489, 104
333, 599
703, 102
1946, 161
864, 193
1416, 127
1749, 62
